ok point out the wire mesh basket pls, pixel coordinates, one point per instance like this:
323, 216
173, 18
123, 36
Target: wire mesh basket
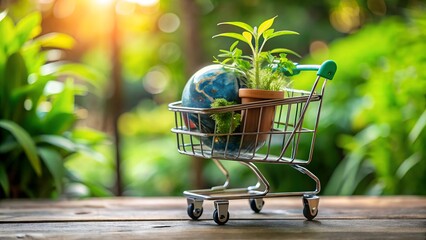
289, 122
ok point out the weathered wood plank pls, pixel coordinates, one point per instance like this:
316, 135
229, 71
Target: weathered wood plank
237, 229
121, 209
166, 218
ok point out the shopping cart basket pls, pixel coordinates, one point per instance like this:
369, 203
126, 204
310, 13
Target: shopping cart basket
279, 145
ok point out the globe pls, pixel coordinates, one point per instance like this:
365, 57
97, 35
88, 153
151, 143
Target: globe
209, 83
206, 85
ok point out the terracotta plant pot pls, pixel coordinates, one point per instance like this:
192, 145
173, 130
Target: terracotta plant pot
260, 119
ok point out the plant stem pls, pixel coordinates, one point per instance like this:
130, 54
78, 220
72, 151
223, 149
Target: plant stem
256, 61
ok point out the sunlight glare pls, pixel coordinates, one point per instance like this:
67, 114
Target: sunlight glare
145, 3
104, 2
125, 8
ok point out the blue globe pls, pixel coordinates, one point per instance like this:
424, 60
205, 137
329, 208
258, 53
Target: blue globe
206, 85
209, 83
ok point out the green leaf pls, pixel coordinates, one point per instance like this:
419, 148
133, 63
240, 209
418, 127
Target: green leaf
284, 50
88, 135
53, 161
8, 146
58, 123
268, 33
80, 89
242, 25
16, 73
232, 35
233, 45
83, 149
24, 139
283, 32
247, 36
90, 75
28, 27
61, 116
35, 90
96, 190
224, 55
418, 128
225, 61
8, 42
408, 164
4, 181
57, 141
56, 40
64, 101
15, 80
34, 57
265, 26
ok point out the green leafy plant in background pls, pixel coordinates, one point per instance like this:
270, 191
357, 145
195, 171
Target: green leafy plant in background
259, 68
37, 110
376, 111
148, 153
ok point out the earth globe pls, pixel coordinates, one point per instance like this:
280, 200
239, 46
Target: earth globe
201, 90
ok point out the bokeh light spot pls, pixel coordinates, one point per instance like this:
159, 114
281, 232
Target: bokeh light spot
44, 5
156, 80
28, 104
169, 22
54, 55
318, 49
64, 8
347, 16
169, 52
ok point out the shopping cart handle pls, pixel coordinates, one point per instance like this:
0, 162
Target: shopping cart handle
326, 70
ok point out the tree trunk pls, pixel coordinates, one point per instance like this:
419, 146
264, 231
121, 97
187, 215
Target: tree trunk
193, 59
117, 100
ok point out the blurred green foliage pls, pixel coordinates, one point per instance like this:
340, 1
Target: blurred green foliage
371, 134
37, 110
152, 166
378, 108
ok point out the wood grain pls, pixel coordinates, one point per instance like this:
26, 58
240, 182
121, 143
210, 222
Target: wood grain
166, 218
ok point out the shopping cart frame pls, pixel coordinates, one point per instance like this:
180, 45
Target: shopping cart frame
288, 126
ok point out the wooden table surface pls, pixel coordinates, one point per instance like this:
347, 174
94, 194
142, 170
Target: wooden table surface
399, 217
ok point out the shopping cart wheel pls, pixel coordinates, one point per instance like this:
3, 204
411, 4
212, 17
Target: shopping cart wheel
222, 219
221, 214
195, 208
193, 212
256, 204
310, 206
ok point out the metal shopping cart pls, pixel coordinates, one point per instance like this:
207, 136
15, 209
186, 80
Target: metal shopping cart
279, 145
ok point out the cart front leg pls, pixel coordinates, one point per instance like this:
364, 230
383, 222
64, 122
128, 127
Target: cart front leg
225, 173
262, 187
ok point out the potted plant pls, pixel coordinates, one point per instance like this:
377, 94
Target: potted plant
264, 72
